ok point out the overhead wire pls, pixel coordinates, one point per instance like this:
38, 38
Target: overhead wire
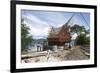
84, 20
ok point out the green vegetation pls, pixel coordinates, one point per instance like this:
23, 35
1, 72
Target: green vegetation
78, 29
26, 38
82, 40
82, 33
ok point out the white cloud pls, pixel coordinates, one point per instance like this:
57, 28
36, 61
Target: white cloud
39, 32
37, 27
39, 21
56, 18
34, 20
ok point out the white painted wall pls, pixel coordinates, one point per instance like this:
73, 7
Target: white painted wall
5, 37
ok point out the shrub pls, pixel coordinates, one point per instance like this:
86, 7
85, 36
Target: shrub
82, 40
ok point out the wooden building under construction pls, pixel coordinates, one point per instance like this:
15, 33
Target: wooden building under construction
59, 36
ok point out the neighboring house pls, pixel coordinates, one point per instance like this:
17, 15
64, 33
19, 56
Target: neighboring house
87, 35
36, 47
74, 36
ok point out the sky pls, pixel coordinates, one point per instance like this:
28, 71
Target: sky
40, 22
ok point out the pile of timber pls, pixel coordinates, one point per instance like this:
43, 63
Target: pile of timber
32, 55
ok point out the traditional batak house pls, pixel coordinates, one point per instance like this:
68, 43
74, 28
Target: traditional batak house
60, 36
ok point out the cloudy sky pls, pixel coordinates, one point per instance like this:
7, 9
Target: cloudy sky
39, 22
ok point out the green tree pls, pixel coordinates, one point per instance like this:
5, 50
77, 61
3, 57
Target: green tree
82, 40
77, 29
26, 38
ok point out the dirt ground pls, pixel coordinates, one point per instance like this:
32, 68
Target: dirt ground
75, 53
